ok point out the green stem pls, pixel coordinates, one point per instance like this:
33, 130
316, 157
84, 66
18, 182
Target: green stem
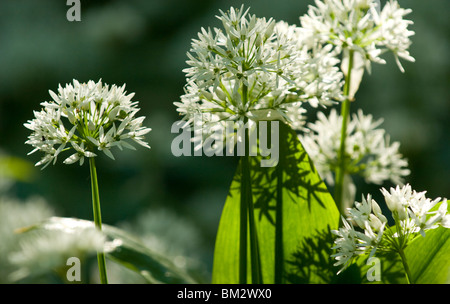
97, 218
279, 254
245, 184
400, 243
247, 214
243, 223
345, 113
254, 247
405, 266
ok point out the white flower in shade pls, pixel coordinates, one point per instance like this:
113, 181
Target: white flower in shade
413, 213
46, 251
17, 214
86, 118
369, 152
255, 69
361, 26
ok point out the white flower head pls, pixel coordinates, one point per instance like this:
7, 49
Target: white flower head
413, 214
414, 206
254, 68
361, 26
345, 245
369, 152
86, 118
46, 251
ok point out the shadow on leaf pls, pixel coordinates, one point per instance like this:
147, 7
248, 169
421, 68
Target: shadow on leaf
293, 213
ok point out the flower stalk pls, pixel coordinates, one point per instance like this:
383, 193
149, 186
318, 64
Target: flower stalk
345, 113
243, 221
405, 265
97, 218
87, 118
399, 244
248, 230
279, 253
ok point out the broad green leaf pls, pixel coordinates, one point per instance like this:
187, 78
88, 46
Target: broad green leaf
308, 215
125, 250
429, 257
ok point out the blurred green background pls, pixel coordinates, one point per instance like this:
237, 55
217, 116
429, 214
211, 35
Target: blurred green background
143, 43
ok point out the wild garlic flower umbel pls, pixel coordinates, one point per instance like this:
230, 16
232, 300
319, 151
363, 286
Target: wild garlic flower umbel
85, 118
254, 69
365, 230
363, 27
369, 152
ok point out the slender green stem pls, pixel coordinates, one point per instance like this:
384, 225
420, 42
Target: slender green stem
345, 113
243, 223
279, 254
254, 247
97, 218
245, 184
405, 266
247, 213
400, 243
248, 216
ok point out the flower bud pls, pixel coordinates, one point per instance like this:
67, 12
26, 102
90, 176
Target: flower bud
220, 94
206, 94
375, 222
402, 214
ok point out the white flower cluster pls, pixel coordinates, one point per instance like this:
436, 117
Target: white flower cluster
17, 214
413, 213
85, 117
361, 26
369, 152
255, 69
42, 252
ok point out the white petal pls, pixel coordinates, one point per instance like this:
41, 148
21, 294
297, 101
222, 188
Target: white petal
72, 159
108, 153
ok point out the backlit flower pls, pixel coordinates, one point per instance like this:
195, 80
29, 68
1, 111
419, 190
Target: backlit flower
361, 26
412, 212
86, 118
369, 152
255, 69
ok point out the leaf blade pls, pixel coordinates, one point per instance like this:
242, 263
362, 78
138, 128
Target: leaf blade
123, 249
309, 213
